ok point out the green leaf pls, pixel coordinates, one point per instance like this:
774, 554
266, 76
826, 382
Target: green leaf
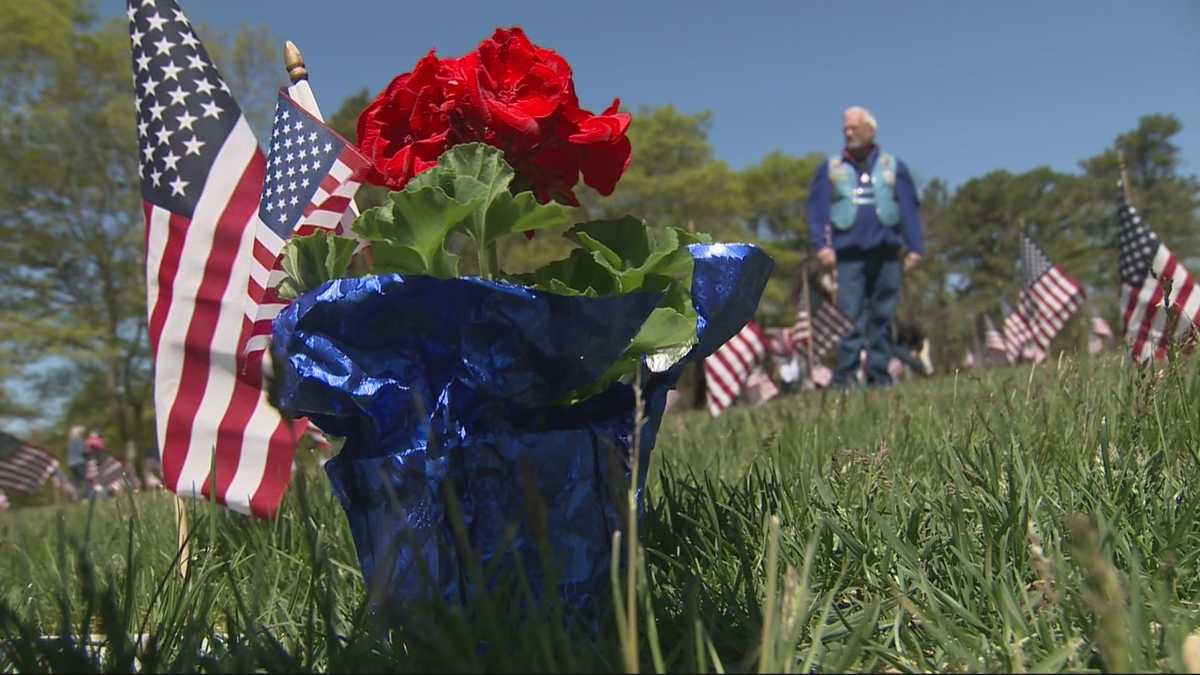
476, 174
577, 274
468, 172
409, 233
520, 213
624, 256
311, 260
628, 249
666, 327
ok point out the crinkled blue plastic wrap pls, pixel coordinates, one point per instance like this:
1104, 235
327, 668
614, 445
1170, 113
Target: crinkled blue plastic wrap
448, 387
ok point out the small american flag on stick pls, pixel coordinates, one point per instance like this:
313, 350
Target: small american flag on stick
1099, 335
994, 344
202, 174
726, 371
1017, 335
826, 330
23, 467
1153, 285
104, 472
1050, 297
312, 176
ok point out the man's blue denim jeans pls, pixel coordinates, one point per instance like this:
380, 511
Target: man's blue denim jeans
868, 291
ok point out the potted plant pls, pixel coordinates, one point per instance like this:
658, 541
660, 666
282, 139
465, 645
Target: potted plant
486, 416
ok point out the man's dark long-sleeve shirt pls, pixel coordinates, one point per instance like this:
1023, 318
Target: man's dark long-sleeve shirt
867, 232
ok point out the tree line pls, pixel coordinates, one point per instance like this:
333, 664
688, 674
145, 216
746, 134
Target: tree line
73, 343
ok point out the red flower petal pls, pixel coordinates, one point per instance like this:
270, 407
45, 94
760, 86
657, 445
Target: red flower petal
602, 165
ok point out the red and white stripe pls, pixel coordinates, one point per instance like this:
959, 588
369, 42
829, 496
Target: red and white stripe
106, 473
209, 411
993, 341
25, 468
827, 331
1016, 335
782, 342
726, 371
1048, 304
1144, 318
332, 208
830, 325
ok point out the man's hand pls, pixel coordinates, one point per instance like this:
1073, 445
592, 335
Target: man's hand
911, 260
827, 257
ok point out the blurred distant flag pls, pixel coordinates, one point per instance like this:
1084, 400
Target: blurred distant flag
782, 342
826, 330
64, 486
3, 501
1152, 279
312, 176
1099, 335
994, 346
106, 473
1049, 299
23, 468
726, 371
202, 174
760, 388
968, 361
1016, 332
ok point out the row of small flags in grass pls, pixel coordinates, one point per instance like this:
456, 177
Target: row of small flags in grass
1159, 308
26, 469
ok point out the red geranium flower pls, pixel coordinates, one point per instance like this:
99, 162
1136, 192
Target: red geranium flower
509, 93
407, 127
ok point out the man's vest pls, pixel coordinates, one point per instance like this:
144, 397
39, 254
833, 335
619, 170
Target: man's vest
850, 191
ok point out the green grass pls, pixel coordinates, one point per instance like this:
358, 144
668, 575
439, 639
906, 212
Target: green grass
1018, 519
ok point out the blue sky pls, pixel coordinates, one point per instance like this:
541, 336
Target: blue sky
958, 88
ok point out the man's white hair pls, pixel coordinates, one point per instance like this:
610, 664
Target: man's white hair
866, 115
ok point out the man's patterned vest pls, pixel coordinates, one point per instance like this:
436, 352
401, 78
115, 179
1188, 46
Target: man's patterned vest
851, 190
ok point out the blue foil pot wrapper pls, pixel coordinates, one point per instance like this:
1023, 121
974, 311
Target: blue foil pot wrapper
447, 391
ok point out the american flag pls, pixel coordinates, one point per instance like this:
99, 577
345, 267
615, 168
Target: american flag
782, 342
1017, 335
312, 176
826, 330
830, 327
1146, 265
23, 468
726, 371
968, 362
64, 486
1098, 336
759, 387
993, 341
202, 174
106, 473
1048, 300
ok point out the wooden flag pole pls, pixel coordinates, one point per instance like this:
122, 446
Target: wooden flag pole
301, 92
1128, 201
181, 523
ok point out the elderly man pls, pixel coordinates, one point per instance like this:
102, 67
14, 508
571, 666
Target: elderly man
862, 210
